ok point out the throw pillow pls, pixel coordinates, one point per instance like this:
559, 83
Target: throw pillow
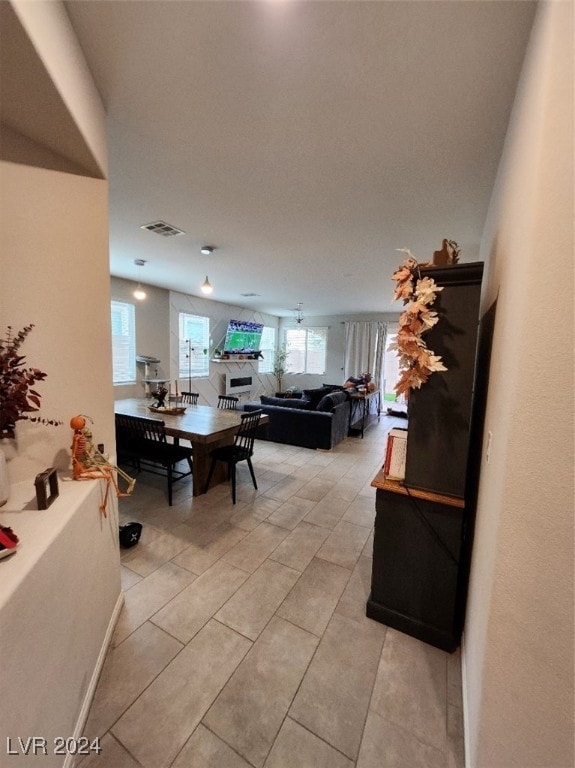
329, 402
315, 395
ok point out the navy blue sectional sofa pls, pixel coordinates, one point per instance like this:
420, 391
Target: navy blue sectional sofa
317, 419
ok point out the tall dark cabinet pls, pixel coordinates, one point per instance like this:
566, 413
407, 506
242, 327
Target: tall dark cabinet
424, 526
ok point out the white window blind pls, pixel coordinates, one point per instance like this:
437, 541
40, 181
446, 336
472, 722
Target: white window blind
306, 350
268, 350
194, 338
123, 342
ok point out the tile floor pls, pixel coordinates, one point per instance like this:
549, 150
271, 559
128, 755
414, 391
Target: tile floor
243, 641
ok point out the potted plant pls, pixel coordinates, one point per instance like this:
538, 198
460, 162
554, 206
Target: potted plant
279, 367
18, 399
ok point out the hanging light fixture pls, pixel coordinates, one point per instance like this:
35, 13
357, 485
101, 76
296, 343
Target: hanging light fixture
206, 287
299, 313
139, 293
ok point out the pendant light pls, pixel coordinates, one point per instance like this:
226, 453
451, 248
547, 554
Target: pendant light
139, 293
206, 287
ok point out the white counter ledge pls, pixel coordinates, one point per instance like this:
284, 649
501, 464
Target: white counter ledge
59, 599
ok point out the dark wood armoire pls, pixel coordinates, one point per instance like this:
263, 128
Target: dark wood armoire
424, 526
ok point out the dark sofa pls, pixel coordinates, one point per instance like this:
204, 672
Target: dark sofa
317, 419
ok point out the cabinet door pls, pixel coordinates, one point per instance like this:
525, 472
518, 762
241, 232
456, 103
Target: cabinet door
416, 574
440, 412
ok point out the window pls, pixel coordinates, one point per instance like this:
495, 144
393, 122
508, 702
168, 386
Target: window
268, 350
193, 340
123, 342
306, 350
391, 372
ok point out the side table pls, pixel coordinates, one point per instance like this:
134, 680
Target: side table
365, 408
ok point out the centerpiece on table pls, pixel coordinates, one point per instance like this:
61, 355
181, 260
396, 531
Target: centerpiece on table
160, 405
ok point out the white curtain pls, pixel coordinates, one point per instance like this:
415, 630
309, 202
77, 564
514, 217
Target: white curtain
364, 349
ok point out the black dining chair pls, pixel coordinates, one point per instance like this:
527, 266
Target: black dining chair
228, 401
242, 449
142, 442
190, 398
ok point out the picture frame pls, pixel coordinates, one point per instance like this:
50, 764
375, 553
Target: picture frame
46, 484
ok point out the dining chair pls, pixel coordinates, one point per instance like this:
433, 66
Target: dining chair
184, 398
228, 401
142, 442
242, 449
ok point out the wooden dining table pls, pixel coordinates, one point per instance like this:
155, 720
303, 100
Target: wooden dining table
204, 426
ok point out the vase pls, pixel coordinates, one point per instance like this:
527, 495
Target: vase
4, 480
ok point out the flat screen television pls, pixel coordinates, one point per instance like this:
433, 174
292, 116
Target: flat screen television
243, 337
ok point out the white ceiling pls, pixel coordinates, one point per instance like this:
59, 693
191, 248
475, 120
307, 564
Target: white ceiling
306, 141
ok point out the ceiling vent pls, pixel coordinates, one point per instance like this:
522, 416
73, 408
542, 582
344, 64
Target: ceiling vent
161, 228
248, 295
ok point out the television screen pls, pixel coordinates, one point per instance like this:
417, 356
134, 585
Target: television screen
243, 337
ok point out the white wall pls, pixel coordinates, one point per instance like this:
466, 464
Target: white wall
54, 245
54, 251
50, 31
152, 330
157, 336
518, 643
54, 273
220, 314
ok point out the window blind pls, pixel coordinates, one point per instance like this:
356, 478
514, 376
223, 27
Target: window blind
123, 342
194, 345
306, 350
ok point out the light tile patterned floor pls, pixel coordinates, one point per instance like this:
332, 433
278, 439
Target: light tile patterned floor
244, 643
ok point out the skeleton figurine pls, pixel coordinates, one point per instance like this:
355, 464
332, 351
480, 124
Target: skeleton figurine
89, 463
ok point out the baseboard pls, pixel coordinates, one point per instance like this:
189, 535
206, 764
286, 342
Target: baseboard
466, 741
444, 639
91, 690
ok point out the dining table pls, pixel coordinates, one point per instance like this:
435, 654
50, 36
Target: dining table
205, 426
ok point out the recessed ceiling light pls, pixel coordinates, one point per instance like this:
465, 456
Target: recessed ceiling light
207, 250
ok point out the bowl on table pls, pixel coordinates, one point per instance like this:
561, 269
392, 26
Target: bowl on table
169, 410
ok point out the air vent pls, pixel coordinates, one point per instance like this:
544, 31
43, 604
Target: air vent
249, 295
161, 228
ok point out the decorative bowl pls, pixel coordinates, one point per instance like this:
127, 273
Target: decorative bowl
169, 410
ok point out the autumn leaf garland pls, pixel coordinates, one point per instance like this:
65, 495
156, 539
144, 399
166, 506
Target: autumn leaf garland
416, 361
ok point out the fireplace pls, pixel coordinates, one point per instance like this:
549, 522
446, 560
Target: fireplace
237, 383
